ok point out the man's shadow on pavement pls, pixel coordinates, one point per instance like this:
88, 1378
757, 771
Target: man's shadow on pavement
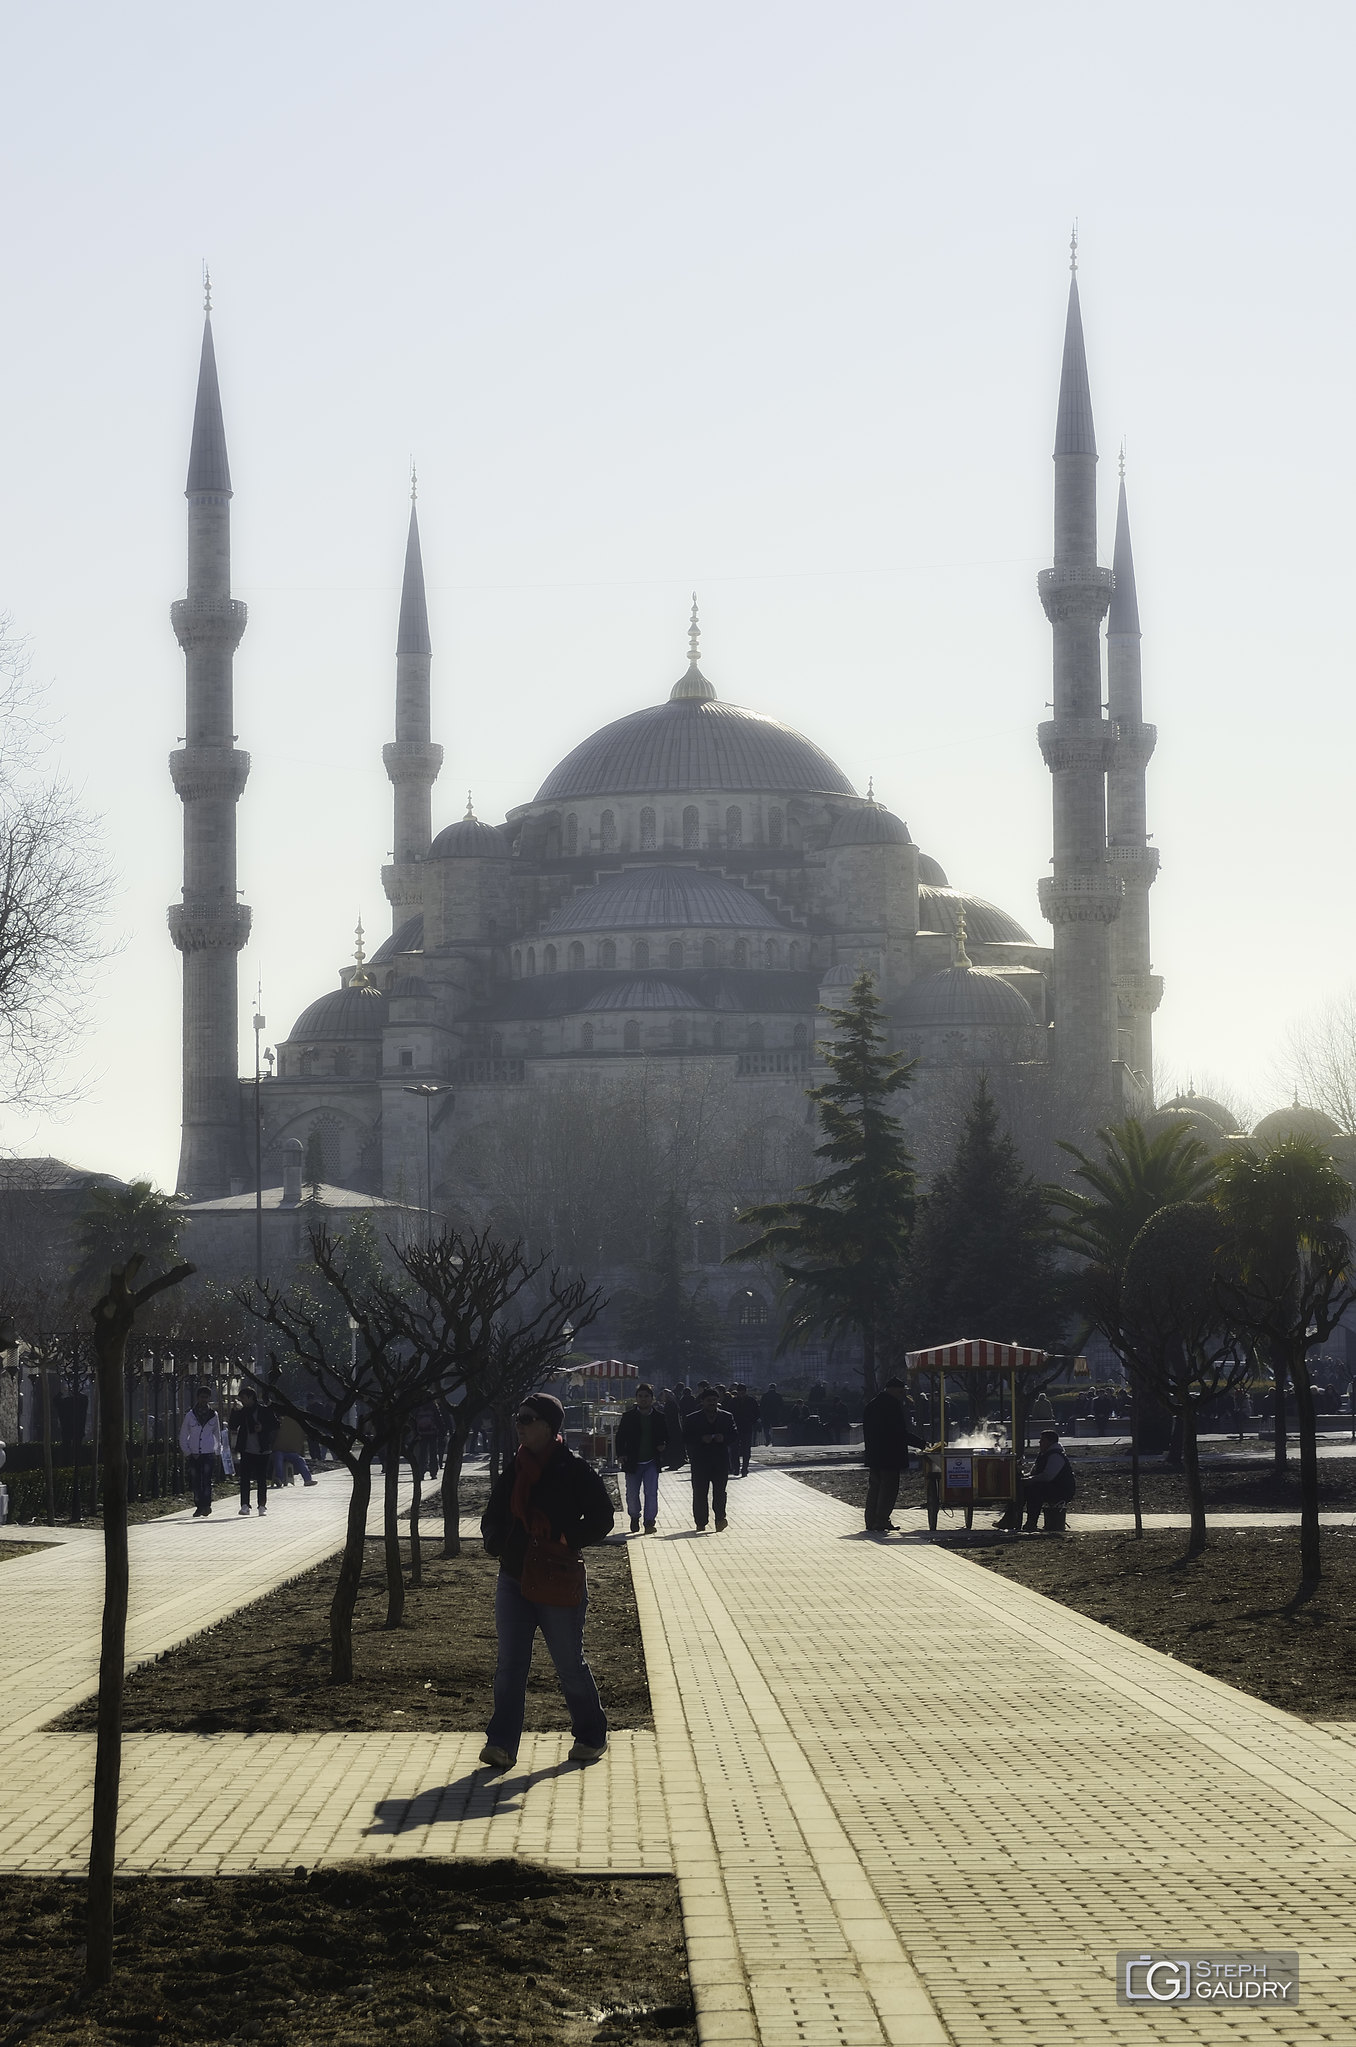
480, 1794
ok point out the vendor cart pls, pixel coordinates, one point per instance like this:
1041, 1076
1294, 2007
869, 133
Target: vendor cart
601, 1385
982, 1467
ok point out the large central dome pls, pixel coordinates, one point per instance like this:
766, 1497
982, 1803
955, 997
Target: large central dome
694, 742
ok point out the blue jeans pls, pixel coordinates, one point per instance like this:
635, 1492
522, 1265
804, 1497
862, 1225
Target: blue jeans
516, 1622
646, 1475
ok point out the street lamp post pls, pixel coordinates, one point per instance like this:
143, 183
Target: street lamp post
428, 1089
259, 1025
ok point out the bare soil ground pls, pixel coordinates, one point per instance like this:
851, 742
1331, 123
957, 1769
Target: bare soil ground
1242, 1487
433, 1954
266, 1667
21, 1549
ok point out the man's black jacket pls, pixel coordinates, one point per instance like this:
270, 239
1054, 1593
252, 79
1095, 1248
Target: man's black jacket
1061, 1480
628, 1437
744, 1408
570, 1494
722, 1426
886, 1434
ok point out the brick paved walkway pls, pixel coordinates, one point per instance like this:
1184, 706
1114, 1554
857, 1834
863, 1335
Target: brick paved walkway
906, 1802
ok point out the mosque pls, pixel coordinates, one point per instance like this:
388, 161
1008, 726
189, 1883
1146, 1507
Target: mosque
694, 882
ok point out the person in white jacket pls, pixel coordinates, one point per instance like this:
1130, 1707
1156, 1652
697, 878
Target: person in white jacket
200, 1440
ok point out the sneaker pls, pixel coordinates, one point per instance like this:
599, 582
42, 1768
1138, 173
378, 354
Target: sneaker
700, 1527
308, 1481
496, 1758
585, 1752
263, 1506
649, 1527
721, 1523
635, 1524
244, 1510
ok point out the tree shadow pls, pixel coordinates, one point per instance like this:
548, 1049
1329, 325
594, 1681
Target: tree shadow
480, 1794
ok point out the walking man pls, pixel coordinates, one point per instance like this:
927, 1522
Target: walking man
253, 1427
712, 1440
771, 1412
642, 1438
744, 1408
885, 1452
200, 1441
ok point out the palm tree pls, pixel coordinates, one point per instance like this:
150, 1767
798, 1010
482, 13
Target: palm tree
1284, 1210
121, 1223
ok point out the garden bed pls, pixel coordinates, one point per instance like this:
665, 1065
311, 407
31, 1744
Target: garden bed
1239, 1486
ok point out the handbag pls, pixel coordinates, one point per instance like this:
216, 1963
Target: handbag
552, 1574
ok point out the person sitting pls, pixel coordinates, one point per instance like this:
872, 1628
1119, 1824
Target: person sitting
1051, 1485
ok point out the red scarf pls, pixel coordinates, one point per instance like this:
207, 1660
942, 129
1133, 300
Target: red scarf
527, 1469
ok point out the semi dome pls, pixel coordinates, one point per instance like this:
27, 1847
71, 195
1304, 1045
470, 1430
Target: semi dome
407, 937
985, 923
694, 742
409, 988
932, 871
343, 1013
872, 825
964, 995
1296, 1122
663, 899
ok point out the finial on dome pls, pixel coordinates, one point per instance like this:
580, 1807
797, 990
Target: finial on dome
470, 817
694, 684
694, 635
963, 958
870, 788
361, 978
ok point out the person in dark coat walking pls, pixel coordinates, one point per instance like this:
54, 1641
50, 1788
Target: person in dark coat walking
253, 1427
641, 1441
673, 1421
548, 1494
886, 1436
771, 1412
744, 1408
712, 1439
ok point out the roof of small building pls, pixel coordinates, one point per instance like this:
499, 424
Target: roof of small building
663, 899
964, 995
985, 924
50, 1176
693, 742
344, 1013
325, 1197
871, 825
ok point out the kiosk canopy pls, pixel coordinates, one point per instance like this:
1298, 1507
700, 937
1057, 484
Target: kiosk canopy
975, 1354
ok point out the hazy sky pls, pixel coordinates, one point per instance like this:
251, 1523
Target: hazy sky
764, 298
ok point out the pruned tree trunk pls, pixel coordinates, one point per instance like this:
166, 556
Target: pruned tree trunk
416, 1499
1136, 1503
1311, 1557
48, 1474
456, 1450
350, 1573
390, 1521
1191, 1471
1280, 1446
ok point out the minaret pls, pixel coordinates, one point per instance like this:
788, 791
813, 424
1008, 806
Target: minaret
1082, 895
209, 926
413, 761
1129, 854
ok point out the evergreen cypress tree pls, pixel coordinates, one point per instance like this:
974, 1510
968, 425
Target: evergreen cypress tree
840, 1242
672, 1324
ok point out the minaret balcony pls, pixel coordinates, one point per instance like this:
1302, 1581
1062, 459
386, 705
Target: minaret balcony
1075, 592
1137, 865
208, 925
1135, 743
209, 622
1080, 898
1138, 994
199, 772
1077, 743
403, 882
412, 760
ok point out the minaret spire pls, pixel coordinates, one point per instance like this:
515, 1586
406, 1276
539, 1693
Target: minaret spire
1129, 854
693, 685
1082, 896
413, 761
209, 925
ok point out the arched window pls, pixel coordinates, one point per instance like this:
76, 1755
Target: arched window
607, 953
678, 1033
647, 831
752, 1311
692, 827
496, 1044
640, 955
607, 831
776, 827
676, 953
532, 959
755, 1037
586, 1038
306, 1065
734, 826
708, 952
548, 960
572, 835
517, 961
577, 956
534, 1042
798, 1037
795, 956
741, 952
343, 1062
631, 1036
770, 953
717, 1037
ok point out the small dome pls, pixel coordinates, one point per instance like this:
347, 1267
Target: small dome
871, 825
985, 923
648, 991
344, 1013
1201, 1105
1189, 1116
409, 988
965, 995
407, 937
1296, 1122
932, 872
841, 976
469, 839
663, 899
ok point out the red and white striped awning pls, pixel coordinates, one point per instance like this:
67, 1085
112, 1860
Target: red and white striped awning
603, 1368
975, 1354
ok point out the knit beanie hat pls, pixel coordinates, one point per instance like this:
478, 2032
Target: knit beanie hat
546, 1408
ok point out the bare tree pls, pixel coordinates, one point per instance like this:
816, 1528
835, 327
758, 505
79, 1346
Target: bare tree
1319, 1064
54, 890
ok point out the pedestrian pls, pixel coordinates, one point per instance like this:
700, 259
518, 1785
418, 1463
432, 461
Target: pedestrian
425, 1432
200, 1439
712, 1439
545, 1507
253, 1426
886, 1435
744, 1408
673, 1421
641, 1440
771, 1411
289, 1447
